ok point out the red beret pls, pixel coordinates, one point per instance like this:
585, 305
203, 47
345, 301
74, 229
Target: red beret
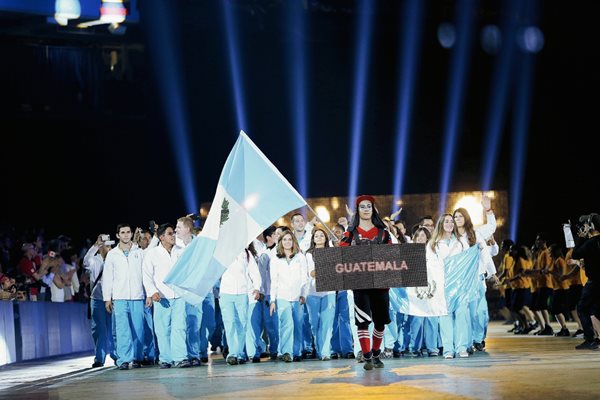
365, 197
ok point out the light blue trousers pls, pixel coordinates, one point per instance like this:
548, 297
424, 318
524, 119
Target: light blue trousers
271, 324
307, 335
454, 329
170, 328
234, 310
423, 331
193, 320
291, 319
321, 310
129, 327
254, 342
101, 326
150, 350
208, 325
478, 312
341, 340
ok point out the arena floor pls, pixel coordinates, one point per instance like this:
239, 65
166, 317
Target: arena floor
515, 367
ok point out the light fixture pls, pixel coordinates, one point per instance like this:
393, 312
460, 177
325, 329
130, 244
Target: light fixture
64, 10
323, 214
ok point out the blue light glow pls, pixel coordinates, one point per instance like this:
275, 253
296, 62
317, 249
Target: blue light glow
501, 77
236, 77
166, 59
411, 39
363, 36
297, 63
459, 70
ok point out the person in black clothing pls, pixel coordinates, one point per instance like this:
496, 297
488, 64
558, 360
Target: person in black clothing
587, 252
366, 228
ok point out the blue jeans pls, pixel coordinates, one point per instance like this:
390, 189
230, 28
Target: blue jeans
101, 326
341, 339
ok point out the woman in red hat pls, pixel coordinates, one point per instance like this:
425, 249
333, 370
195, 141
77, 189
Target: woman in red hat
370, 305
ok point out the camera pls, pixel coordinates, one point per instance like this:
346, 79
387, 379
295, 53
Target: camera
109, 242
105, 238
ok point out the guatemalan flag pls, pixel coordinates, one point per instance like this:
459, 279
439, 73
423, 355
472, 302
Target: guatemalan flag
251, 195
454, 283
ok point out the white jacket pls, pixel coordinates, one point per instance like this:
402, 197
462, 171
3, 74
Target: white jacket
289, 280
158, 262
242, 276
122, 278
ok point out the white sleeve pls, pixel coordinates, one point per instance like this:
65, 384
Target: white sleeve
254, 273
89, 256
107, 278
305, 282
274, 278
148, 275
488, 229
494, 249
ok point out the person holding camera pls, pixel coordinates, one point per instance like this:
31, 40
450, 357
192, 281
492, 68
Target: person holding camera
587, 254
101, 321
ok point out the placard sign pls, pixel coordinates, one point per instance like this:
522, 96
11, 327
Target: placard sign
370, 266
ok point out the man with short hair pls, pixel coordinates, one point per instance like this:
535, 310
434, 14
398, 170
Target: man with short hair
169, 311
123, 294
426, 222
302, 231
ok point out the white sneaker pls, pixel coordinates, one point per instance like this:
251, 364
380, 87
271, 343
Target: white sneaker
463, 354
448, 356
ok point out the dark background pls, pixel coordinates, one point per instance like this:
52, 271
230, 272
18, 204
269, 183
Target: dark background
84, 147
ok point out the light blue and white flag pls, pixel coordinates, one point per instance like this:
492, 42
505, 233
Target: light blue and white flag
462, 278
251, 195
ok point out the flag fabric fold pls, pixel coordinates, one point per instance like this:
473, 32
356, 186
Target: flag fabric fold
251, 195
462, 278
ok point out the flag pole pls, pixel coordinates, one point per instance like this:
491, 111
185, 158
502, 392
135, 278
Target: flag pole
333, 237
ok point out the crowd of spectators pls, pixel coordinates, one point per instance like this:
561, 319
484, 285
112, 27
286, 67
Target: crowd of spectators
35, 269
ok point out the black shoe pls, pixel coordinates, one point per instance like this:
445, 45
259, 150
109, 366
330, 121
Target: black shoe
587, 345
264, 355
335, 356
255, 360
182, 364
368, 364
578, 332
350, 355
204, 360
97, 364
232, 360
273, 356
225, 352
195, 362
548, 331
470, 350
396, 354
136, 364
483, 343
286, 357
124, 366
377, 363
147, 362
563, 332
242, 361
164, 365
478, 346
297, 358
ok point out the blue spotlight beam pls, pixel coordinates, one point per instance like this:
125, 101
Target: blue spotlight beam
498, 99
234, 64
166, 58
365, 16
410, 52
297, 57
459, 70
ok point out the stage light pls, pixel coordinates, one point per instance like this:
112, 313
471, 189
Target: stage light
531, 39
335, 203
498, 101
66, 10
203, 212
234, 65
446, 35
363, 39
459, 70
297, 61
112, 12
323, 214
411, 39
473, 206
491, 39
